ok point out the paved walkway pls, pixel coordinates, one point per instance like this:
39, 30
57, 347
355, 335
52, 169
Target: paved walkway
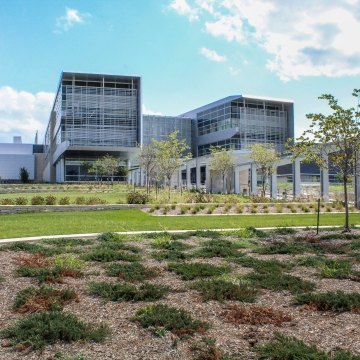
94, 235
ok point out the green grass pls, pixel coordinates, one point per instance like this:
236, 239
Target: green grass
290, 348
21, 225
221, 290
128, 292
331, 301
165, 318
45, 328
190, 271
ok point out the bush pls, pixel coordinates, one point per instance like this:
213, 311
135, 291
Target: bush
165, 318
107, 254
24, 175
21, 200
7, 201
80, 200
64, 200
95, 201
37, 200
331, 301
137, 197
46, 328
221, 290
190, 271
50, 200
170, 255
206, 349
127, 292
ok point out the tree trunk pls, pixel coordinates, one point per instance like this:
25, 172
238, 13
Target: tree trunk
346, 227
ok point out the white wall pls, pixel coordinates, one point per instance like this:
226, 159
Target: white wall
10, 165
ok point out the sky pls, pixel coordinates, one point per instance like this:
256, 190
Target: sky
188, 53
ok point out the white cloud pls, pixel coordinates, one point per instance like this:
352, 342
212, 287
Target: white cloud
212, 55
23, 113
301, 38
183, 8
147, 111
71, 18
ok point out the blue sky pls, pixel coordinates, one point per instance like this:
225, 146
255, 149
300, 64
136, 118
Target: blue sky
188, 52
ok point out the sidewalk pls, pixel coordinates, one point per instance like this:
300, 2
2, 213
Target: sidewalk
94, 235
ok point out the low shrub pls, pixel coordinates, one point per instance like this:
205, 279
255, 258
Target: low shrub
7, 201
37, 200
221, 290
45, 298
254, 315
206, 349
284, 231
21, 200
137, 197
166, 318
46, 328
95, 201
50, 200
240, 209
285, 348
251, 232
127, 292
278, 282
64, 200
80, 200
130, 272
170, 255
283, 248
262, 266
331, 301
190, 271
334, 268
107, 254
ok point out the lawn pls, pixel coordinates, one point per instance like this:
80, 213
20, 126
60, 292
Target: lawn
256, 299
58, 223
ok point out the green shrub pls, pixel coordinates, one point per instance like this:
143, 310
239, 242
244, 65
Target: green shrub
21, 200
277, 282
165, 318
251, 232
190, 271
37, 200
221, 290
262, 266
137, 197
64, 200
331, 301
107, 254
67, 242
218, 248
284, 231
7, 201
24, 175
59, 356
283, 248
170, 255
279, 208
206, 349
334, 268
109, 236
130, 272
240, 209
50, 200
46, 328
95, 201
127, 292
34, 299
165, 242
69, 263
80, 200
286, 348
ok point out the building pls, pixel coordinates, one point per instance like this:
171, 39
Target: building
16, 155
92, 115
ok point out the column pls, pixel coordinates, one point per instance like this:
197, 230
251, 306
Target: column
273, 185
253, 184
237, 181
324, 180
188, 180
296, 178
198, 180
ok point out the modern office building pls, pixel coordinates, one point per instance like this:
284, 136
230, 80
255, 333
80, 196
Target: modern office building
92, 115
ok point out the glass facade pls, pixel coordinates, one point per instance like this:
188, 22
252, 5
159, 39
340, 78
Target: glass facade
255, 121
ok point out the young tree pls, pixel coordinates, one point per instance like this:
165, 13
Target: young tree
221, 162
265, 158
334, 137
107, 165
24, 175
170, 154
147, 161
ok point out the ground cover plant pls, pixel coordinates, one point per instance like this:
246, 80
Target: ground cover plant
43, 298
165, 318
236, 300
40, 329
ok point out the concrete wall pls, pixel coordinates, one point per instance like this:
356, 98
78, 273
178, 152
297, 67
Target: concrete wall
10, 165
